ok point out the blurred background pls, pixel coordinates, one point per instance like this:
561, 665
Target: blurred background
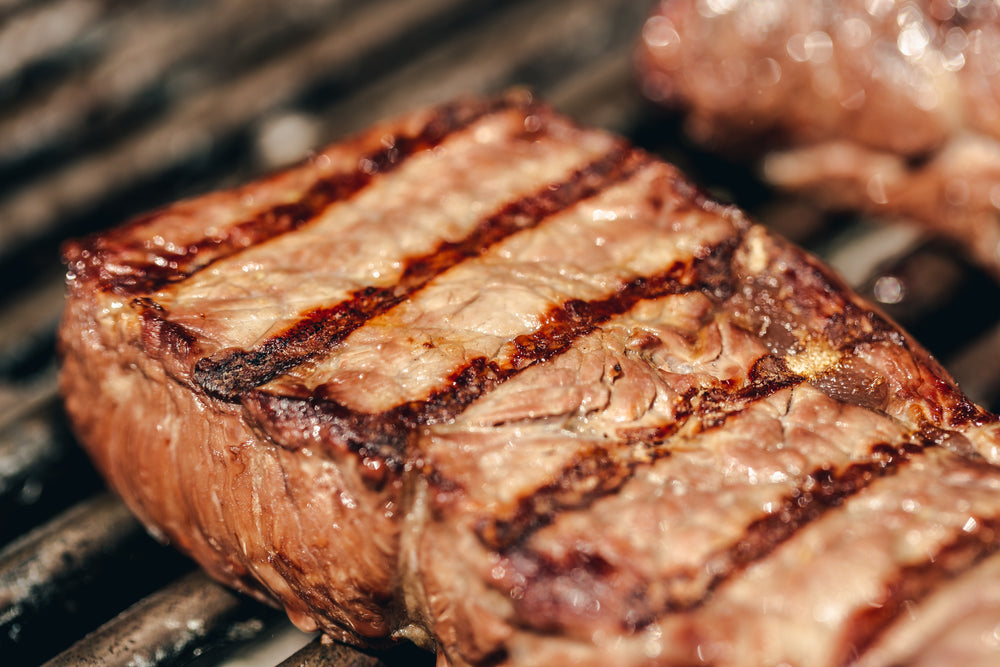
109, 108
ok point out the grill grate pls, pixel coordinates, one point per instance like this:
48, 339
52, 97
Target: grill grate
108, 109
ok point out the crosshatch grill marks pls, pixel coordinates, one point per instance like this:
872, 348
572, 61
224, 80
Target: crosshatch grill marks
235, 372
172, 264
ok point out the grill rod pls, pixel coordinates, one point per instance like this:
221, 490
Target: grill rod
61, 578
170, 627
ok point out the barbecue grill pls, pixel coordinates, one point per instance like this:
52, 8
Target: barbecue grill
109, 109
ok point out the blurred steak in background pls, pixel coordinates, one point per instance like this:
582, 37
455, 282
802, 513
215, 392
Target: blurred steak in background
882, 106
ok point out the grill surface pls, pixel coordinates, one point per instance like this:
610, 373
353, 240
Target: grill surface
108, 109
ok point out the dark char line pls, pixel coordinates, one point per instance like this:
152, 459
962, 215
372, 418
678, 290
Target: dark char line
175, 267
536, 578
914, 583
234, 373
298, 422
711, 407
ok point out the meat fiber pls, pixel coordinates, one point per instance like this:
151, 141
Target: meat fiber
887, 107
516, 391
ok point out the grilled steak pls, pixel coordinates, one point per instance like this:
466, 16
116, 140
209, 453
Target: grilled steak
511, 388
892, 108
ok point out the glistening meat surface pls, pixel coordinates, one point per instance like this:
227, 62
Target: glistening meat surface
517, 391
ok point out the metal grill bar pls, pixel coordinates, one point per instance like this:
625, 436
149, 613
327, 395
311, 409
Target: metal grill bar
118, 107
170, 627
205, 119
57, 578
42, 471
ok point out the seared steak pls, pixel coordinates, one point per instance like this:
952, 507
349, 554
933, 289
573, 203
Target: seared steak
887, 107
511, 388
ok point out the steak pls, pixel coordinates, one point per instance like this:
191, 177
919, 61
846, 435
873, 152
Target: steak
890, 108
519, 392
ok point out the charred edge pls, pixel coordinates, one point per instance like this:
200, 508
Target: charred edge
916, 582
232, 373
283, 218
237, 372
295, 423
855, 326
768, 375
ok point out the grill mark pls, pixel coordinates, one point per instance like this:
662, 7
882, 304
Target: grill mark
594, 473
711, 408
535, 580
296, 422
768, 375
172, 267
914, 583
387, 433
820, 492
601, 472
232, 373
